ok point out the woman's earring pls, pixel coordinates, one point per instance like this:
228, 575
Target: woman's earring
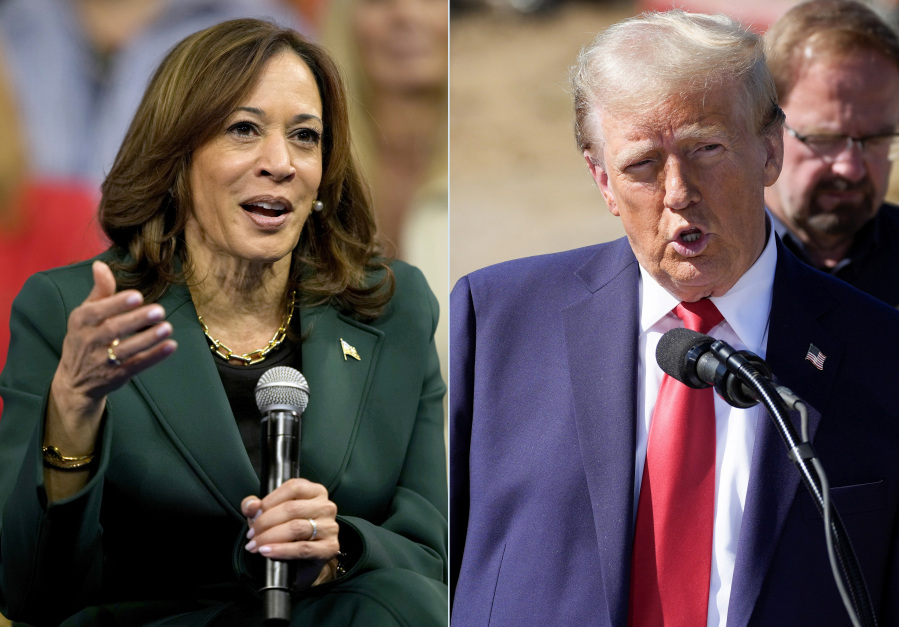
317, 205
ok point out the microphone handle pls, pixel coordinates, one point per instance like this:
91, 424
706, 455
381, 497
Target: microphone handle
280, 462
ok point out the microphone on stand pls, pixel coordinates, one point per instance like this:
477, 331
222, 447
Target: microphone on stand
281, 395
743, 379
688, 357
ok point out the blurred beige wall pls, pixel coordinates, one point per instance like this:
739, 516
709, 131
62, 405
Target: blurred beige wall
518, 185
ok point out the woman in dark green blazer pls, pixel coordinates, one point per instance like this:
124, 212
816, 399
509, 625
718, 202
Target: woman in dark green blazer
127, 447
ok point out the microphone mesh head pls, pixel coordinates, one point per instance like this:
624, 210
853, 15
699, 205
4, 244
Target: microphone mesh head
282, 386
671, 353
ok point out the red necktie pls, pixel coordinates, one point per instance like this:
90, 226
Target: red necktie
672, 558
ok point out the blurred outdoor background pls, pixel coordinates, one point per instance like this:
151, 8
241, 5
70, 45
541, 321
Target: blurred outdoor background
518, 185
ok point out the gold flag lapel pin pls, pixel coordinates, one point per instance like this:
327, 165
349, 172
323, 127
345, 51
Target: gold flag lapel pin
349, 351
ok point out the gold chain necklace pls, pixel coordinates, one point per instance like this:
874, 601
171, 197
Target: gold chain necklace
248, 359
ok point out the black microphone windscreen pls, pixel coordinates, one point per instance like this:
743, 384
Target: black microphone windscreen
282, 386
671, 352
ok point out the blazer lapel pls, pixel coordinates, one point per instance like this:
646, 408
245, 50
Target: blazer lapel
601, 334
774, 480
338, 386
186, 395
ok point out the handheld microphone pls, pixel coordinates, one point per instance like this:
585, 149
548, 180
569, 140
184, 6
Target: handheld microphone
281, 395
699, 361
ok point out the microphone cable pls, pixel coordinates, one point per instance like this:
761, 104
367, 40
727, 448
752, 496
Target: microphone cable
794, 402
855, 598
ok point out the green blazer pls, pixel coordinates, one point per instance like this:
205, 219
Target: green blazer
158, 528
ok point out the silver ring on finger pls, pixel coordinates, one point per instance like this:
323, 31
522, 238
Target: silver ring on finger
111, 358
314, 529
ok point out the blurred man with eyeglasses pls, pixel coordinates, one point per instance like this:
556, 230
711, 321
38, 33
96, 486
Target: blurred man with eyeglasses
836, 67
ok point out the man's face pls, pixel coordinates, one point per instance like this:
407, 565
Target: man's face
687, 180
825, 200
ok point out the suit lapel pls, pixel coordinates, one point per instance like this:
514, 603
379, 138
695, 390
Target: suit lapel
601, 335
338, 387
774, 480
186, 395
185, 392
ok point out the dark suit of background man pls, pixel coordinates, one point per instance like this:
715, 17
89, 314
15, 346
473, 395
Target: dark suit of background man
836, 67
554, 380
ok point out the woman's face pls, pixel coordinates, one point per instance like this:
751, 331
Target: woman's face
402, 43
254, 182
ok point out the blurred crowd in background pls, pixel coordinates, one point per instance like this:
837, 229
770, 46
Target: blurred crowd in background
72, 73
758, 14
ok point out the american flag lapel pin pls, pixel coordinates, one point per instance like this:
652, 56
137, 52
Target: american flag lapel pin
815, 356
349, 351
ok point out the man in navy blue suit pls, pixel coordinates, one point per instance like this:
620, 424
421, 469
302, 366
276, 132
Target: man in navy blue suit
554, 382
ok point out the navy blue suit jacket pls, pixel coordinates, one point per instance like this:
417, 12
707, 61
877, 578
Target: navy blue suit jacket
543, 415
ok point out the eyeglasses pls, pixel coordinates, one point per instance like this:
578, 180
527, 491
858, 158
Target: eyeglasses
829, 147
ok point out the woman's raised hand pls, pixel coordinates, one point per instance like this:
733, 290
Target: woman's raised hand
296, 521
110, 338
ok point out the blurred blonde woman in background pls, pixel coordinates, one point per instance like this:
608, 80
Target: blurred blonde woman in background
394, 56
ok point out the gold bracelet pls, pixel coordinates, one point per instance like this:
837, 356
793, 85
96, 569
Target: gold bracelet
54, 459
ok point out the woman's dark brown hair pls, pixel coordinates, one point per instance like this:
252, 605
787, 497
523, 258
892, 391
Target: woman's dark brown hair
147, 199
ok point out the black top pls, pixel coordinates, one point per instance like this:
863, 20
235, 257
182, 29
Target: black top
872, 263
240, 386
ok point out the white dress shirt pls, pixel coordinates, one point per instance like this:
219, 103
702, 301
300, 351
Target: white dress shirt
745, 327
